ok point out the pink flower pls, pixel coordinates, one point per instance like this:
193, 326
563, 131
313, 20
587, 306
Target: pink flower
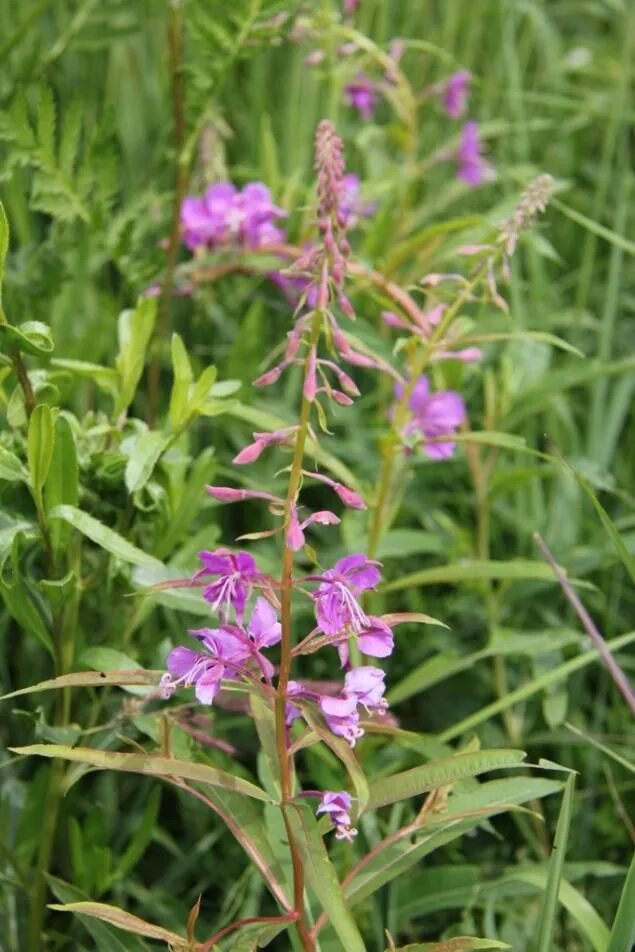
455, 93
342, 718
433, 415
225, 215
375, 640
336, 603
337, 806
205, 669
473, 170
361, 95
366, 685
237, 575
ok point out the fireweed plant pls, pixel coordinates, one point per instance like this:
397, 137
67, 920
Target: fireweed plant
252, 646
253, 609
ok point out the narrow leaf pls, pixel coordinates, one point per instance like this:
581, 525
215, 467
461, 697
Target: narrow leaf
40, 444
102, 536
91, 679
556, 862
439, 773
322, 878
154, 766
471, 571
123, 920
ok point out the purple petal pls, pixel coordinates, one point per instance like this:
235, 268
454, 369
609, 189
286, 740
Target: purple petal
182, 660
216, 563
264, 626
376, 642
419, 397
208, 685
444, 411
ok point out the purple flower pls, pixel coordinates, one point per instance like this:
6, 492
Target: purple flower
225, 215
336, 603
433, 415
237, 575
205, 669
472, 166
341, 716
361, 95
337, 806
455, 92
366, 685
352, 207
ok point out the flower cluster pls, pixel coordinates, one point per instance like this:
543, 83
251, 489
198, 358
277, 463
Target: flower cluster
225, 215
228, 652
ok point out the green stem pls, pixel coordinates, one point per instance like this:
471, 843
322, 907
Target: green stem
286, 589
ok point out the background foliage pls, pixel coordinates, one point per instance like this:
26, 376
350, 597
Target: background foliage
88, 172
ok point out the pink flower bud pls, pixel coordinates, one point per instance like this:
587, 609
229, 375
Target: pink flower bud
349, 497
310, 381
295, 535
271, 376
345, 306
341, 398
250, 453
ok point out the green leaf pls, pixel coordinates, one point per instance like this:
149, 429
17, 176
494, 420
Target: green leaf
464, 812
322, 878
105, 936
102, 536
556, 862
41, 440
559, 673
21, 601
576, 904
143, 453
622, 936
105, 377
143, 832
464, 943
471, 571
11, 468
183, 377
91, 679
32, 337
154, 766
439, 773
62, 485
123, 920
134, 330
4, 246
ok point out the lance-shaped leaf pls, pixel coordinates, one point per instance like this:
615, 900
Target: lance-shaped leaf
11, 468
62, 485
102, 536
439, 773
123, 920
556, 863
155, 766
134, 330
322, 878
144, 451
183, 377
91, 679
472, 571
41, 440
464, 812
463, 943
